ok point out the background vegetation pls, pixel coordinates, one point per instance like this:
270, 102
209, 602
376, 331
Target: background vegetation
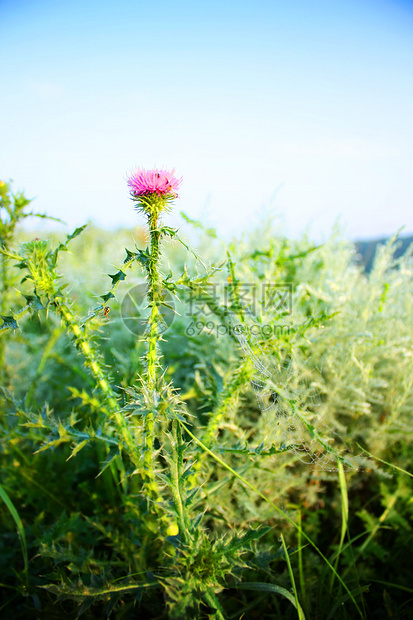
81, 535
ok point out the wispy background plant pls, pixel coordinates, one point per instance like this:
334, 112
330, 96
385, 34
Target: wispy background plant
129, 461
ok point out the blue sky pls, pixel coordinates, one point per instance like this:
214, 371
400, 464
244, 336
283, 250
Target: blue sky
301, 109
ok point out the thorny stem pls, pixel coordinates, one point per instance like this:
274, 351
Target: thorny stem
4, 294
92, 361
234, 386
153, 294
228, 401
152, 362
5, 282
3, 305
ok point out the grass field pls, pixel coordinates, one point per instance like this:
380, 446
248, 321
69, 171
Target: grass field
215, 431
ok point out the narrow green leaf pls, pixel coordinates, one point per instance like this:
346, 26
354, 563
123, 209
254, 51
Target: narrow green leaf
20, 529
344, 504
75, 233
338, 604
197, 224
301, 615
80, 594
392, 585
404, 471
271, 587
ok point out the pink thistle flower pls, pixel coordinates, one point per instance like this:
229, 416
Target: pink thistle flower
153, 190
161, 182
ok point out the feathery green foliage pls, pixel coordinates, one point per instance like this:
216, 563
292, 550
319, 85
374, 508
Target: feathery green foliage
202, 466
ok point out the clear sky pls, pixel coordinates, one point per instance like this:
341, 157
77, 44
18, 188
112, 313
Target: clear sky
302, 108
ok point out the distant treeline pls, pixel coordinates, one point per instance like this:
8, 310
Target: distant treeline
367, 249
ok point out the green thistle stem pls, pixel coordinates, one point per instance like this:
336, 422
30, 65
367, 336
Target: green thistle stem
5, 283
92, 361
228, 402
154, 301
3, 305
4, 301
43, 280
152, 356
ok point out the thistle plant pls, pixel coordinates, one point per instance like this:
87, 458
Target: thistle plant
152, 191
13, 212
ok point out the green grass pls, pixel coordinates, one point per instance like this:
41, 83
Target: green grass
242, 475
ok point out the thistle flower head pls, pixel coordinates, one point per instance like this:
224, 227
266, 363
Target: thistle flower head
153, 190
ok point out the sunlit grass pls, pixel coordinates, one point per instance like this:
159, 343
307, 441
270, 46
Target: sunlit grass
203, 471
